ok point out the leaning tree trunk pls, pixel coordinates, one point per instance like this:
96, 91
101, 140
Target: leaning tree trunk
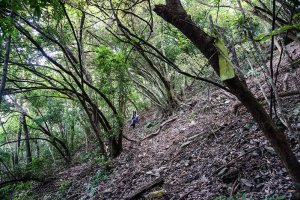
174, 13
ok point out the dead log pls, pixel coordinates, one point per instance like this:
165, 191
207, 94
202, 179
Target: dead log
140, 191
160, 128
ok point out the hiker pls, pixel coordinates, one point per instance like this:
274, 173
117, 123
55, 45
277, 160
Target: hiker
134, 119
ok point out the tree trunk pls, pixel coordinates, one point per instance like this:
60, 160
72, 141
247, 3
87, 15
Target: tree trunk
72, 136
27, 142
18, 143
116, 143
37, 147
5, 66
174, 13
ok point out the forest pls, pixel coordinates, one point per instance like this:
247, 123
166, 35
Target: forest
150, 99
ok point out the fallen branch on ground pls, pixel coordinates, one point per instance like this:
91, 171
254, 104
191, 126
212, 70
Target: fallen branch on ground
140, 191
160, 128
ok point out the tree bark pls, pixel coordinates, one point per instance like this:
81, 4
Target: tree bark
5, 67
18, 144
174, 13
37, 147
27, 142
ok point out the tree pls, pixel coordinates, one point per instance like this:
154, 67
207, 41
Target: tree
26, 134
174, 13
5, 66
71, 78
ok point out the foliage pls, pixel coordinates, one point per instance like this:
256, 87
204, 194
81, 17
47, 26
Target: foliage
19, 192
264, 37
91, 187
63, 188
241, 196
6, 192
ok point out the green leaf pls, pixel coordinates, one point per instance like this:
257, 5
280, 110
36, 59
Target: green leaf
264, 37
295, 62
296, 16
226, 67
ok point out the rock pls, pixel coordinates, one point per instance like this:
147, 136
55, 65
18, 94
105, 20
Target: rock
270, 150
182, 129
186, 163
108, 190
156, 194
192, 123
298, 126
246, 182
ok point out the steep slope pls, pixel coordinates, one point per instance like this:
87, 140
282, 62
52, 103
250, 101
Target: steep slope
207, 151
209, 148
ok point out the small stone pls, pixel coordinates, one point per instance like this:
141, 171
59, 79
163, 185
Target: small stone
156, 194
193, 123
270, 150
298, 126
246, 182
107, 191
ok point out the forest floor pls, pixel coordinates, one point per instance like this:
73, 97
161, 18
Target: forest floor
209, 148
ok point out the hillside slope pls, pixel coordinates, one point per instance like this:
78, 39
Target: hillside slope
209, 148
